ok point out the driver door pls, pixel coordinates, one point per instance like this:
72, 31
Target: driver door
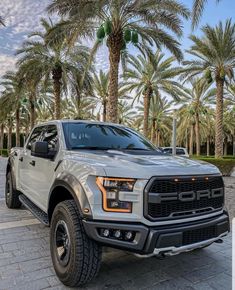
26, 169
43, 170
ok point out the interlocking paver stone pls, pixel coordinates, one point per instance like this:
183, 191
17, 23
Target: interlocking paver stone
25, 259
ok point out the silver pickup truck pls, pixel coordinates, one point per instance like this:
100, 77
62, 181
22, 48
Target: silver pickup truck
99, 184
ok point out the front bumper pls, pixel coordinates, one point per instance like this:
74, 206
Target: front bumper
169, 239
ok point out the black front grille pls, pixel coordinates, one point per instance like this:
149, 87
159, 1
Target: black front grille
164, 209
183, 185
177, 208
199, 235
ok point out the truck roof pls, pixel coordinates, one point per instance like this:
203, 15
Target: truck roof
79, 121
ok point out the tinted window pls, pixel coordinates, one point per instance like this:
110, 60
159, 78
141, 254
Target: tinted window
168, 150
51, 137
99, 136
180, 152
35, 136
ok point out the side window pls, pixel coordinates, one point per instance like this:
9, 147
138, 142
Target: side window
51, 136
168, 150
35, 136
180, 152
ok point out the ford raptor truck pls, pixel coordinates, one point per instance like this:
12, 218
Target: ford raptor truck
101, 184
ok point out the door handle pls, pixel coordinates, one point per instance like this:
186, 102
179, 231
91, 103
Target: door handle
32, 162
21, 159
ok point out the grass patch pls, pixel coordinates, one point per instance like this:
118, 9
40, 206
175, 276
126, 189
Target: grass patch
225, 164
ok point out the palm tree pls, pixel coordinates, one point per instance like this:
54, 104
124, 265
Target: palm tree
2, 21
1, 134
149, 76
196, 99
7, 115
13, 90
229, 126
41, 61
160, 120
198, 7
101, 82
230, 92
2, 123
82, 111
214, 55
125, 113
120, 23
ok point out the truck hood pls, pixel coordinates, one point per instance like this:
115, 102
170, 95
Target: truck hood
140, 165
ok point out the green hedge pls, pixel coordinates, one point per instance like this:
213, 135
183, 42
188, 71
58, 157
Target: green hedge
4, 152
225, 165
212, 157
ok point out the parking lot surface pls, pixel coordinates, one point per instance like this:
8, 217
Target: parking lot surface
25, 261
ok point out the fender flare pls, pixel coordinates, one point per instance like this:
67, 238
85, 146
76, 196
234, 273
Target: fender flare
9, 168
74, 187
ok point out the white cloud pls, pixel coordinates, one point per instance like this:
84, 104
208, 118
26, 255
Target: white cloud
6, 63
22, 17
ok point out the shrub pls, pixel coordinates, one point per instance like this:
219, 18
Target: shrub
225, 165
4, 152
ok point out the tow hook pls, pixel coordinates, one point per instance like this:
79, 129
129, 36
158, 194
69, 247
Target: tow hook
219, 241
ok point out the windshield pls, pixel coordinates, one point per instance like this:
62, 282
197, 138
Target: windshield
103, 137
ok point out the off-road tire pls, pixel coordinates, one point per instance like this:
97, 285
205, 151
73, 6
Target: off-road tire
85, 254
11, 194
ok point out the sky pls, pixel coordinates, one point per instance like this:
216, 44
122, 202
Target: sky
23, 16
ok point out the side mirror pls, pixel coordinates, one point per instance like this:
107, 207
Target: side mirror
40, 149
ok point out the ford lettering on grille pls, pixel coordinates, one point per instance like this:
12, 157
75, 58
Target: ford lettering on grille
185, 196
171, 198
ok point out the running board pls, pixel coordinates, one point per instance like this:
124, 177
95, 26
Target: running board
35, 210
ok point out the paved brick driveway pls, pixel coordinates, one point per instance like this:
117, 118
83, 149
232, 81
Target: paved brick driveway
25, 259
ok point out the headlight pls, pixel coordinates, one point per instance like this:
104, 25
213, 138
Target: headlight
110, 188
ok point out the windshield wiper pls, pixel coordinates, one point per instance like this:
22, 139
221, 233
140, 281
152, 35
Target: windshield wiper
144, 149
90, 148
107, 148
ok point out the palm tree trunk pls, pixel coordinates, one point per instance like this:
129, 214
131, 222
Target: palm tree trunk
158, 138
9, 137
27, 131
153, 131
114, 45
191, 140
219, 118
234, 143
57, 75
186, 139
18, 127
1, 136
226, 146
32, 110
146, 114
104, 110
208, 146
78, 106
197, 133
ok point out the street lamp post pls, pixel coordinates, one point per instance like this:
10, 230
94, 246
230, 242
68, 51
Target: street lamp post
174, 134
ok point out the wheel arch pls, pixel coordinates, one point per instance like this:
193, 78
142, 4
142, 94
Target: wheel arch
67, 187
9, 166
10, 169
